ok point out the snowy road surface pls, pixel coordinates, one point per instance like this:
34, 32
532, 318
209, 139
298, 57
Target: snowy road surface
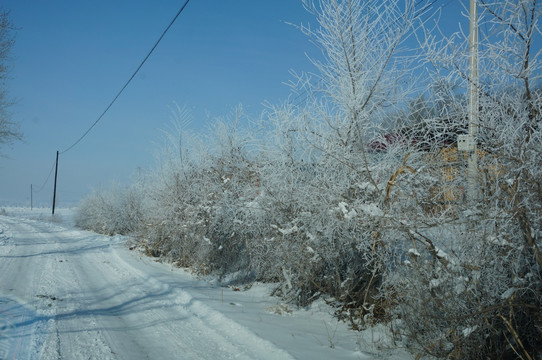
70, 294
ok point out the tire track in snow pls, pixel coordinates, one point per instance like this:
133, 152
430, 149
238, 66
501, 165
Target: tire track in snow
201, 331
18, 285
96, 304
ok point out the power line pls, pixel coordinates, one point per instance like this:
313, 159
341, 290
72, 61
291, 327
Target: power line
129, 80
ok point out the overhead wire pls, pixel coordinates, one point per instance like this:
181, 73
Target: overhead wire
116, 96
127, 82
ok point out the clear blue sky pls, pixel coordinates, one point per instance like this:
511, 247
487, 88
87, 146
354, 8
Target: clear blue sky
72, 57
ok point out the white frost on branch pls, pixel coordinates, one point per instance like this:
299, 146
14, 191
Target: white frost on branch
371, 209
414, 252
348, 215
469, 330
289, 231
508, 293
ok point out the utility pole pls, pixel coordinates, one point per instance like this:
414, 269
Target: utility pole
467, 142
54, 191
31, 200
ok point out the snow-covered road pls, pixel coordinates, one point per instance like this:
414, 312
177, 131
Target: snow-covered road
85, 301
71, 294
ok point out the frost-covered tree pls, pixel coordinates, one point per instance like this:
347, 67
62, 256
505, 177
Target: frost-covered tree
325, 190
8, 129
468, 277
364, 68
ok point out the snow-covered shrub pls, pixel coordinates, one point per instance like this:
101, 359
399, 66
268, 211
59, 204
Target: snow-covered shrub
232, 181
176, 197
474, 297
116, 210
204, 213
321, 235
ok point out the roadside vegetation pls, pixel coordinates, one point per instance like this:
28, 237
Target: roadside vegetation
9, 130
357, 194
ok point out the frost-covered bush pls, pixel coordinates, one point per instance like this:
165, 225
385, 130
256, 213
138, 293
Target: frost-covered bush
321, 220
475, 297
116, 210
204, 213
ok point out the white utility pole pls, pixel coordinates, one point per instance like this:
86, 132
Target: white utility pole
468, 142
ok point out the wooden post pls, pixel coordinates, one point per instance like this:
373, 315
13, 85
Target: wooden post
54, 191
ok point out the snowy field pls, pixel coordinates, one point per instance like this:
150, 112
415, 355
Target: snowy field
72, 294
